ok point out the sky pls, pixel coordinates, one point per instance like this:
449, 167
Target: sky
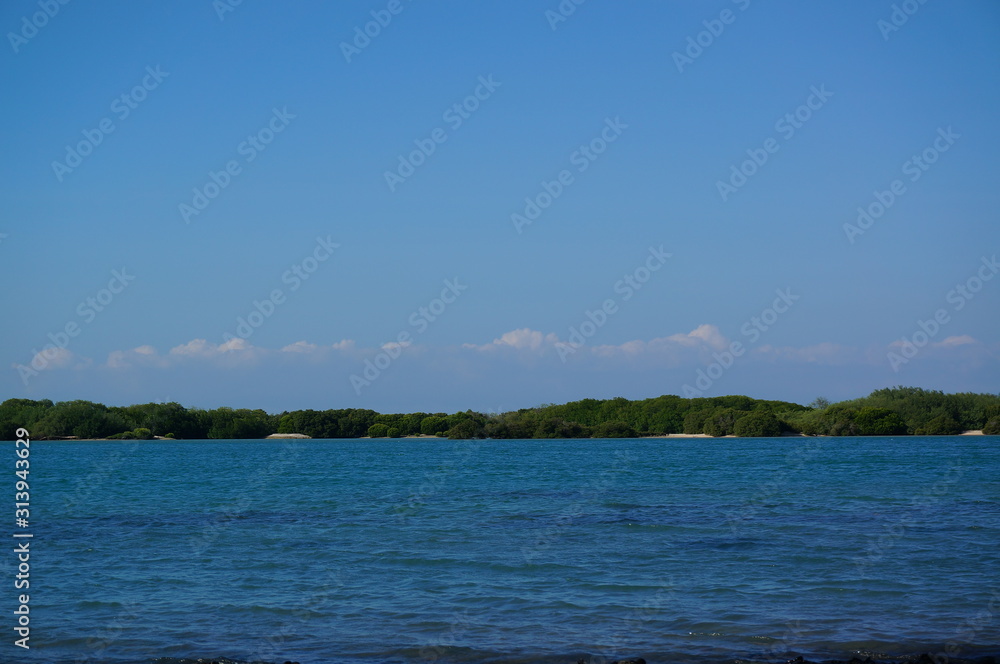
440, 206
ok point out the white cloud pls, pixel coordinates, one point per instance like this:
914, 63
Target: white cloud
195, 347
962, 340
675, 347
54, 357
141, 356
521, 339
703, 334
300, 347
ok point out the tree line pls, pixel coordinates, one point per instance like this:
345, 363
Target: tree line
891, 411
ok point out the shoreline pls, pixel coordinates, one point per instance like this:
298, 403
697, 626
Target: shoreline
302, 436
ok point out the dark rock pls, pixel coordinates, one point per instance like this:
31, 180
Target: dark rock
800, 660
631, 660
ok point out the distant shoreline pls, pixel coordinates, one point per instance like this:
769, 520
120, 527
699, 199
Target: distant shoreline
898, 411
302, 436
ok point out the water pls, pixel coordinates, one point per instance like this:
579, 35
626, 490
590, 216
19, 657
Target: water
411, 551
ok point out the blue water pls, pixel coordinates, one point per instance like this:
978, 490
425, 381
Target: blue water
676, 550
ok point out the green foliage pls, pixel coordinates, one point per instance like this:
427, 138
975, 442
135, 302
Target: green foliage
892, 411
466, 428
555, 427
433, 425
878, 422
348, 423
942, 425
722, 422
136, 434
694, 421
758, 424
378, 430
615, 429
80, 419
239, 424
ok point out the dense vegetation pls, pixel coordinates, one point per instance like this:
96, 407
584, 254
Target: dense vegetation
895, 411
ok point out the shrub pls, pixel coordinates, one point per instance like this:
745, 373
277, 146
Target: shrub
465, 429
378, 430
616, 429
942, 425
878, 422
433, 425
760, 424
721, 422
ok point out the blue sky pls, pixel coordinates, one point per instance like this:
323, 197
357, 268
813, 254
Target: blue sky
646, 143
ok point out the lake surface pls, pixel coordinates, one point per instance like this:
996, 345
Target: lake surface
425, 550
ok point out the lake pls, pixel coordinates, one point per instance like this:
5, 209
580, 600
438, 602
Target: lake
428, 550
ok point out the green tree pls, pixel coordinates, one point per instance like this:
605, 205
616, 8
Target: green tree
942, 425
878, 422
433, 425
758, 424
616, 429
467, 428
378, 430
721, 422
694, 421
